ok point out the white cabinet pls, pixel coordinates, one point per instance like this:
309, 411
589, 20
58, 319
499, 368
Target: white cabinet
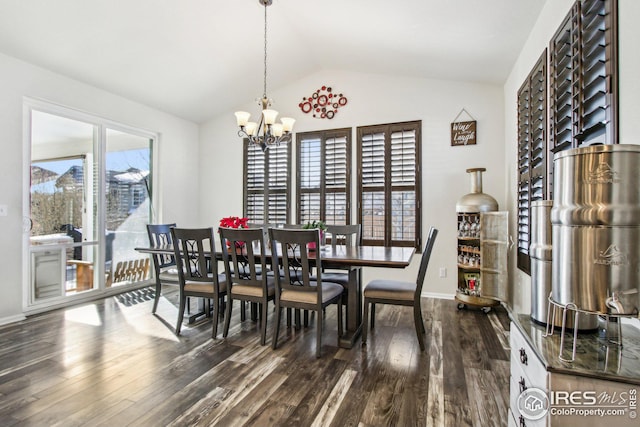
571, 395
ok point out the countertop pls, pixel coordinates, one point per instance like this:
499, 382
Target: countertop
594, 358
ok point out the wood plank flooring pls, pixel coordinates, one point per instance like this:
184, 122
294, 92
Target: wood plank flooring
113, 363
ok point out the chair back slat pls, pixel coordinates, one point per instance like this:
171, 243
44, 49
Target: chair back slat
191, 246
424, 262
348, 235
160, 236
243, 251
294, 263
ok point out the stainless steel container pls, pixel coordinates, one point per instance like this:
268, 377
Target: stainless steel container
540, 252
596, 228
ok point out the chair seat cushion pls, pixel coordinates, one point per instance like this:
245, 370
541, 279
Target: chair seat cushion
254, 291
329, 291
390, 289
196, 286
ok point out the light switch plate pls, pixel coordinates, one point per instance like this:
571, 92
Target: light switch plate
443, 272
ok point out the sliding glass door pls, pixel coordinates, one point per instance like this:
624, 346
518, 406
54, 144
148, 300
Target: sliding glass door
90, 198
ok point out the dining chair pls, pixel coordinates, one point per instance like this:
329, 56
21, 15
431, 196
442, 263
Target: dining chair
396, 292
193, 250
345, 235
164, 265
295, 287
243, 253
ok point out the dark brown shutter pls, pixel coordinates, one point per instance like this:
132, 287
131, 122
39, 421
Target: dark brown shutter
323, 176
267, 183
583, 78
532, 152
389, 183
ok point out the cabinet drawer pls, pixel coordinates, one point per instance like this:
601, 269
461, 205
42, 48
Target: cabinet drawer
523, 356
518, 419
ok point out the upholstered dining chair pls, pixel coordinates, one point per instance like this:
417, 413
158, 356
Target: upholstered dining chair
164, 265
194, 249
346, 235
295, 287
243, 253
399, 293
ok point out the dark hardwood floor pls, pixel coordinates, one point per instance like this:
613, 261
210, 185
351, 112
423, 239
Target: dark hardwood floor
113, 363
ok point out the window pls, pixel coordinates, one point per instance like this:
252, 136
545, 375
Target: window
389, 184
266, 183
583, 78
582, 101
532, 149
323, 180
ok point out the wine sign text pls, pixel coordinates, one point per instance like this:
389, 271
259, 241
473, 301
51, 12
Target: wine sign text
463, 133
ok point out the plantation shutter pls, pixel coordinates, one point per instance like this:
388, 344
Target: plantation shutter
266, 189
403, 185
583, 78
532, 153
278, 189
254, 169
388, 184
323, 176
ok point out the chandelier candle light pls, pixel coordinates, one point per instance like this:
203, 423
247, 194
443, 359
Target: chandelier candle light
267, 133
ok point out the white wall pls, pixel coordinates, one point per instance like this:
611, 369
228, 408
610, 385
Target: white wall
629, 113
178, 148
374, 99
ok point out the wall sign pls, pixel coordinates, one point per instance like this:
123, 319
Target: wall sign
463, 133
323, 103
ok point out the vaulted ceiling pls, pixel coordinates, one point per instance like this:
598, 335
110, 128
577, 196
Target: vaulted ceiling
198, 58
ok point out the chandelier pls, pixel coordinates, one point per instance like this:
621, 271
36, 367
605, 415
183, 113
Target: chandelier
267, 133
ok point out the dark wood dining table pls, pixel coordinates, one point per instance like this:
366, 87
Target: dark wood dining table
348, 258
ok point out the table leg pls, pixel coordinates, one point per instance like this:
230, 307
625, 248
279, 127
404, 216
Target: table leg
354, 310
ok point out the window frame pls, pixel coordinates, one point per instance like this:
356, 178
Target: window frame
322, 190
266, 190
387, 188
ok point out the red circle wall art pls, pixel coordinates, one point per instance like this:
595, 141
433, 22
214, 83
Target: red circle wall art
323, 103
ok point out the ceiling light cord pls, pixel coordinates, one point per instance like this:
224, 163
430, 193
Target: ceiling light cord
264, 95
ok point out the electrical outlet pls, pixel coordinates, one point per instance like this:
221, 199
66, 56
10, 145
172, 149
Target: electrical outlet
3, 210
443, 272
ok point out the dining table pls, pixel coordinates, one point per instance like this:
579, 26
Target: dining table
349, 258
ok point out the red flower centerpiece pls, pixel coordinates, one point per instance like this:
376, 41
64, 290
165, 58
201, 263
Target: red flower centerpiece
235, 222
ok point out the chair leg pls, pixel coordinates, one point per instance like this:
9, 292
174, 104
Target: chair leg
227, 317
373, 315
288, 317
180, 313
318, 333
156, 298
243, 312
297, 323
340, 321
263, 326
276, 328
365, 321
215, 316
417, 318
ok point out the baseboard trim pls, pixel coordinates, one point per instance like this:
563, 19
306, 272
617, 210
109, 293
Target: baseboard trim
437, 295
12, 319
